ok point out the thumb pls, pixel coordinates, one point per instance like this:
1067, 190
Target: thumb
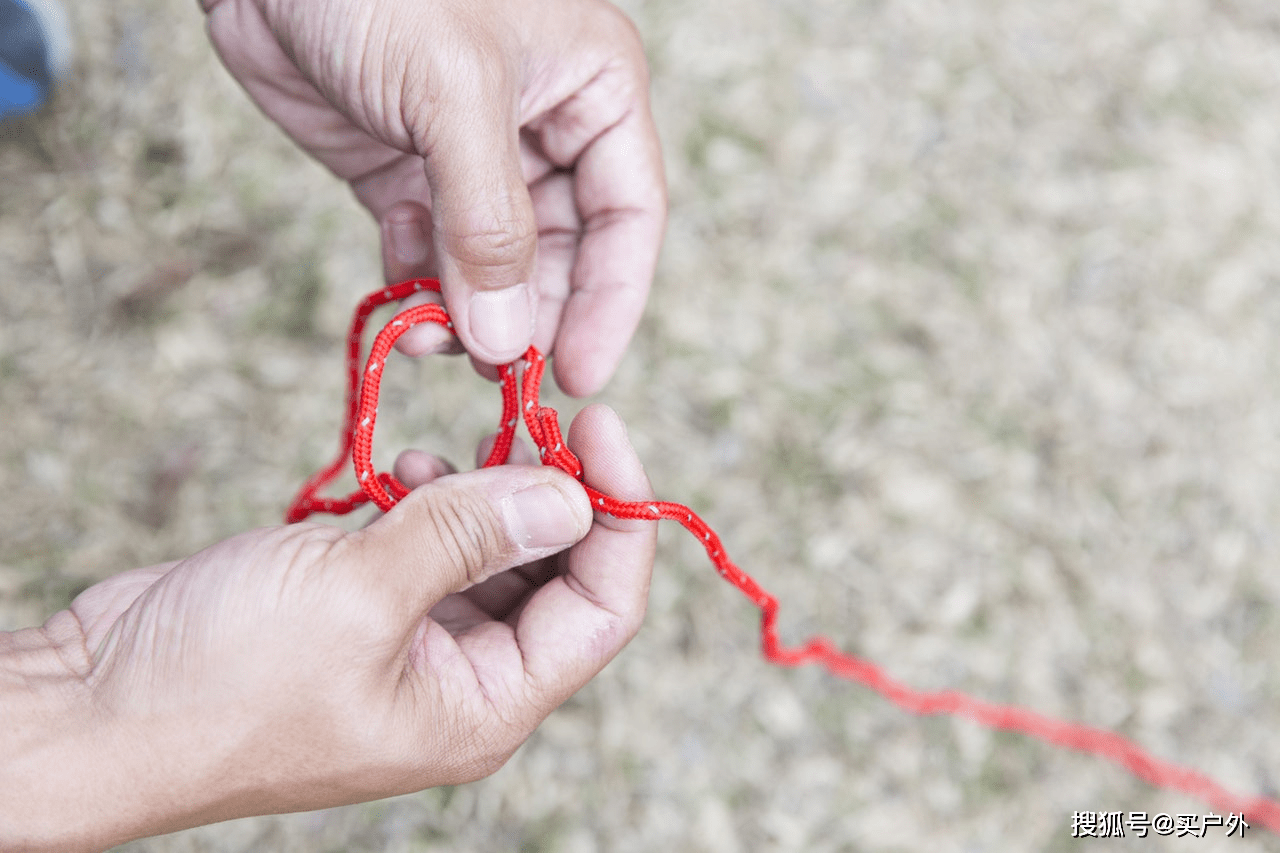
485, 235
461, 529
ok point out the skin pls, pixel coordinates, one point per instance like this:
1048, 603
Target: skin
304, 667
504, 146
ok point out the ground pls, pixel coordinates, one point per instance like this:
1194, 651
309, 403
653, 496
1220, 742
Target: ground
963, 338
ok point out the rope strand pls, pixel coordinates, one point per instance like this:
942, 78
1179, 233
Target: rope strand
543, 425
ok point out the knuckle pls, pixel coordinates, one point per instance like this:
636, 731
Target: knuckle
500, 237
207, 6
489, 750
463, 71
308, 548
487, 740
624, 37
475, 65
620, 28
467, 532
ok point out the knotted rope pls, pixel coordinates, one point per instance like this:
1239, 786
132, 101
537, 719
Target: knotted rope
384, 490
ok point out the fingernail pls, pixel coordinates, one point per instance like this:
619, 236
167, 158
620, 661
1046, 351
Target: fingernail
540, 517
502, 321
408, 241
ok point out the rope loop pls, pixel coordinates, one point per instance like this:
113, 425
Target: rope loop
520, 400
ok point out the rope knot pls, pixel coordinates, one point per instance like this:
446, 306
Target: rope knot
544, 428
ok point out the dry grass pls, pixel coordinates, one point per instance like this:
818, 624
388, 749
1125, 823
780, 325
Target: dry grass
964, 338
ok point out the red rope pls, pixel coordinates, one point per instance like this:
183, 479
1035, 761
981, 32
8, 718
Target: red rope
543, 425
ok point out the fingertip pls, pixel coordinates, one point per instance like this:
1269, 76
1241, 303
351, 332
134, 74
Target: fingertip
465, 528
486, 370
581, 377
590, 346
407, 250
501, 322
598, 421
552, 515
595, 328
599, 437
415, 468
485, 234
520, 454
484, 448
428, 339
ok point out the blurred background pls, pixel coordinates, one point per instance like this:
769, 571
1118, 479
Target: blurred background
964, 338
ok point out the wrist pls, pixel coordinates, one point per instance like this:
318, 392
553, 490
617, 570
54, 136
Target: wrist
79, 775
45, 704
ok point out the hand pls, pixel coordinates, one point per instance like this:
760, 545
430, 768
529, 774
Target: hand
303, 667
479, 133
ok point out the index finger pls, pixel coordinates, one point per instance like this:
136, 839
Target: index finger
580, 620
621, 194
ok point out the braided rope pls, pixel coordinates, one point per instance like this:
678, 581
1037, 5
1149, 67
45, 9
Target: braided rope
542, 422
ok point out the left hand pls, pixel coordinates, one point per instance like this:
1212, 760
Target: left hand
303, 667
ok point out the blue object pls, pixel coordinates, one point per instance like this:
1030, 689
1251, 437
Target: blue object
26, 61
